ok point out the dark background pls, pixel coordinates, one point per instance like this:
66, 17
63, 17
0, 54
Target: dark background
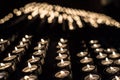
111, 9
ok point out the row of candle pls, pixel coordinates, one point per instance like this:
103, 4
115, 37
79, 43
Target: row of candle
62, 13
63, 64
35, 63
106, 59
9, 64
4, 44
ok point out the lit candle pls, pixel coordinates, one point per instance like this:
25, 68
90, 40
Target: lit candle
110, 50
4, 42
117, 62
19, 51
29, 77
112, 70
62, 74
99, 50
63, 63
92, 77
101, 56
60, 45
24, 40
3, 75
30, 68
39, 53
22, 45
62, 50
40, 46
88, 68
28, 36
61, 56
42, 41
63, 40
116, 78
95, 46
7, 67
86, 60
106, 61
10, 58
34, 60
82, 54
93, 41
114, 55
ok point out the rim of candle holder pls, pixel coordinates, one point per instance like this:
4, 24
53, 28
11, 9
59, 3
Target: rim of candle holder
114, 72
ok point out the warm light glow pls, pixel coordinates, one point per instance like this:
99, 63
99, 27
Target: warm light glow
9, 55
23, 39
33, 57
100, 54
2, 64
112, 68
62, 72
113, 53
39, 45
16, 48
42, 40
117, 78
21, 43
29, 65
90, 76
82, 53
62, 40
60, 55
61, 49
106, 59
39, 51
26, 77
86, 58
88, 66
1, 40
26, 36
60, 44
62, 61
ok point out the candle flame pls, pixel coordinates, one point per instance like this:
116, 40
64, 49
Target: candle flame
33, 57
60, 44
100, 54
61, 49
112, 68
82, 53
23, 39
29, 65
16, 48
1, 40
86, 58
9, 55
108, 49
117, 78
106, 59
2, 64
26, 77
39, 45
26, 36
113, 53
60, 55
91, 76
62, 72
62, 40
21, 43
62, 61
39, 51
88, 66
42, 40
118, 60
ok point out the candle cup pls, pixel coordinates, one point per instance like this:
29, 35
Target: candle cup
43, 42
28, 37
92, 77
39, 53
62, 56
63, 75
8, 67
116, 77
110, 50
88, 69
111, 71
98, 50
23, 45
117, 62
64, 65
100, 57
29, 77
62, 51
63, 40
19, 52
4, 76
60, 45
114, 56
4, 42
11, 58
85, 61
33, 69
24, 40
81, 55
93, 42
40, 47
95, 46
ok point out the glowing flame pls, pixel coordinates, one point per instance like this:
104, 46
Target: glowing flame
1, 40
117, 78
29, 65
91, 76
33, 57
9, 55
62, 61
21, 43
16, 48
2, 64
60, 55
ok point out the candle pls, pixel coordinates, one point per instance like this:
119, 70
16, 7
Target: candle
95, 46
82, 54
63, 40
40, 46
60, 45
117, 62
62, 74
116, 78
24, 40
34, 60
106, 61
86, 60
29, 77
17, 51
63, 63
99, 50
3, 75
92, 77
4, 42
114, 55
61, 56
88, 68
101, 56
28, 36
110, 50
39, 53
42, 41
22, 45
11, 58
112, 70
93, 41
7, 67
30, 68
62, 50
